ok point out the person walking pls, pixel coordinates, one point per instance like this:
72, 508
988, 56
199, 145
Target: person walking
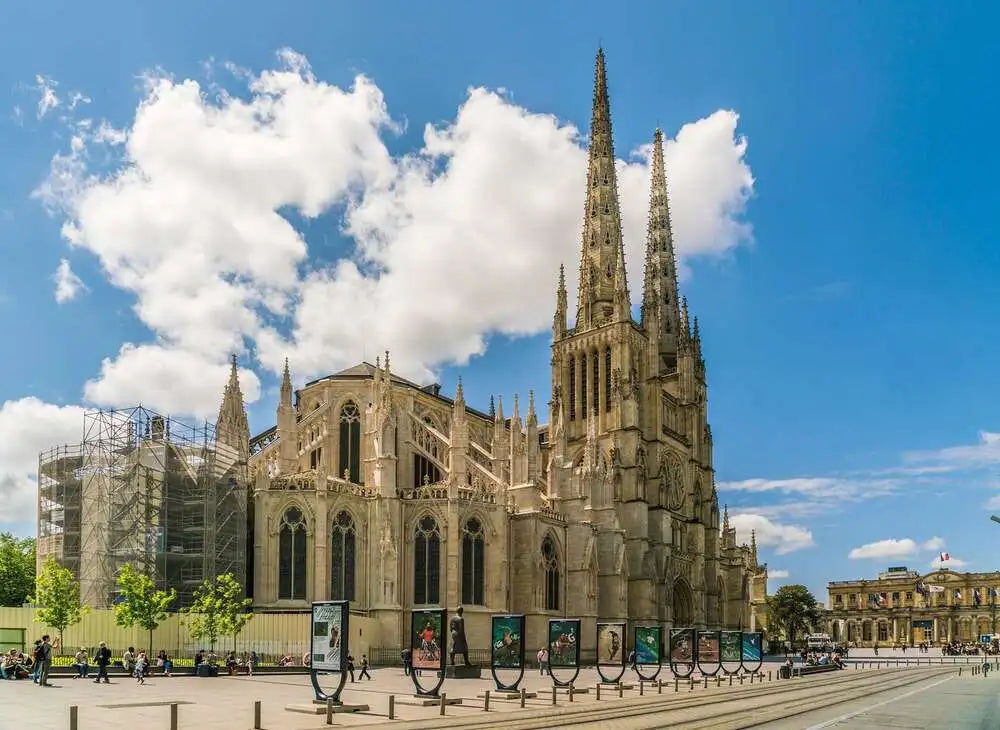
102, 659
140, 668
350, 666
251, 662
407, 656
45, 663
364, 668
36, 660
543, 660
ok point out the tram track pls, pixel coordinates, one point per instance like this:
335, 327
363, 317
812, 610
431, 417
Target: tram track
750, 707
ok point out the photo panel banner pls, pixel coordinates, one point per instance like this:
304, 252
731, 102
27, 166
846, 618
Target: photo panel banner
611, 651
681, 652
753, 654
507, 647
647, 650
427, 640
731, 651
564, 642
709, 656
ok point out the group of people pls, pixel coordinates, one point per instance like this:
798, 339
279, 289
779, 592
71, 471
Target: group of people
35, 665
959, 648
820, 658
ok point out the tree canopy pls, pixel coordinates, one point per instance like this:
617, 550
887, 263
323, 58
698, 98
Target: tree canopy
139, 602
219, 608
792, 609
57, 594
17, 569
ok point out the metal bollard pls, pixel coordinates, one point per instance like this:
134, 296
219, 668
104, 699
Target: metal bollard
706, 681
768, 675
522, 697
329, 710
620, 691
73, 719
486, 701
553, 695
642, 685
741, 680
392, 706
751, 677
659, 686
676, 684
718, 680
690, 684
256, 715
598, 691
443, 698
570, 691
173, 716
730, 680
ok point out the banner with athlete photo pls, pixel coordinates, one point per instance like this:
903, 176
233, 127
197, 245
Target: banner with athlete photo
731, 651
682, 652
427, 641
611, 644
709, 656
753, 655
564, 642
507, 647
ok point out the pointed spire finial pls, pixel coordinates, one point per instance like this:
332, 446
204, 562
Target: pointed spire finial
378, 362
493, 408
387, 361
459, 394
516, 415
725, 517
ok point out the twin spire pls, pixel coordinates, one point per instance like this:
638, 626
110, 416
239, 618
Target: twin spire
603, 290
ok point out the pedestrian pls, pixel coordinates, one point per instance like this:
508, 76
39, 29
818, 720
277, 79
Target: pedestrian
45, 662
251, 663
140, 668
36, 664
407, 656
364, 668
543, 660
80, 662
102, 659
350, 666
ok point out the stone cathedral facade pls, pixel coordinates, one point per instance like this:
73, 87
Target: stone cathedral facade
390, 494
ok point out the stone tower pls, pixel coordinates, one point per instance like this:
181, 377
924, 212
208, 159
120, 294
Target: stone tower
231, 426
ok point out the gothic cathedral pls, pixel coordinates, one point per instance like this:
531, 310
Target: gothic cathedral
392, 495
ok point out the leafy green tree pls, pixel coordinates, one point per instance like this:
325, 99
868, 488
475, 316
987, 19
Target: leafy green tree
140, 603
57, 594
219, 608
792, 609
17, 569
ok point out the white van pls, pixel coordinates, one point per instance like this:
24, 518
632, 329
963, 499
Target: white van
819, 641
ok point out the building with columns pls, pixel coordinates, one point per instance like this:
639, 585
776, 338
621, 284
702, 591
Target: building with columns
902, 606
395, 496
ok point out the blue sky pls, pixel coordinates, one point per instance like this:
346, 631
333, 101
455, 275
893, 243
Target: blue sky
833, 175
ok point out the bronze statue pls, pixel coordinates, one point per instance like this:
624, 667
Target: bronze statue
459, 644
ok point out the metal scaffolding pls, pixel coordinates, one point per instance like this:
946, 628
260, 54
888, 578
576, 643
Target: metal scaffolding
148, 490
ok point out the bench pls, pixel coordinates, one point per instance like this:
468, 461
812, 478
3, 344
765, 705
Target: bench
814, 669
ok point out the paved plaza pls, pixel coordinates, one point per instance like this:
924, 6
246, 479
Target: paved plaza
925, 697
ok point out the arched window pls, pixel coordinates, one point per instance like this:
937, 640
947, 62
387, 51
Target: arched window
342, 558
550, 564
292, 555
607, 378
350, 442
596, 381
572, 388
426, 562
473, 562
583, 386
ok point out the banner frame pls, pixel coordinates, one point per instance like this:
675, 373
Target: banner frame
345, 616
607, 679
718, 638
659, 652
760, 643
693, 637
556, 681
442, 645
739, 665
502, 686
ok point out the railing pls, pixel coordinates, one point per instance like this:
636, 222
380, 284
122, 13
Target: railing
344, 486
303, 481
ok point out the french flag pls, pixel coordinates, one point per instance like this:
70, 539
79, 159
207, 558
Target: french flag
945, 556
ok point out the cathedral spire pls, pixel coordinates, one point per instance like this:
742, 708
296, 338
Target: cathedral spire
559, 324
660, 310
231, 426
603, 287
286, 386
459, 395
725, 517
532, 417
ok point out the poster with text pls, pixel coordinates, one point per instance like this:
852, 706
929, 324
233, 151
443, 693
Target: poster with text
681, 646
328, 635
731, 649
427, 644
564, 642
611, 644
507, 651
751, 647
647, 644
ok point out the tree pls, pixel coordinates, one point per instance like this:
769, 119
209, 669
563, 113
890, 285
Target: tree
140, 603
17, 569
57, 594
792, 609
218, 609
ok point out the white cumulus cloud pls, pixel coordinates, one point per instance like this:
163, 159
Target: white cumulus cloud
200, 221
783, 538
951, 563
935, 543
890, 548
47, 97
27, 427
68, 284
773, 574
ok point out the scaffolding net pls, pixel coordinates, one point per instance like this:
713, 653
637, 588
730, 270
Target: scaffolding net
148, 490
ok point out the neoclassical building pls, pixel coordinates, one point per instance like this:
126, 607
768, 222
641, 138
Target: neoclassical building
890, 609
393, 495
